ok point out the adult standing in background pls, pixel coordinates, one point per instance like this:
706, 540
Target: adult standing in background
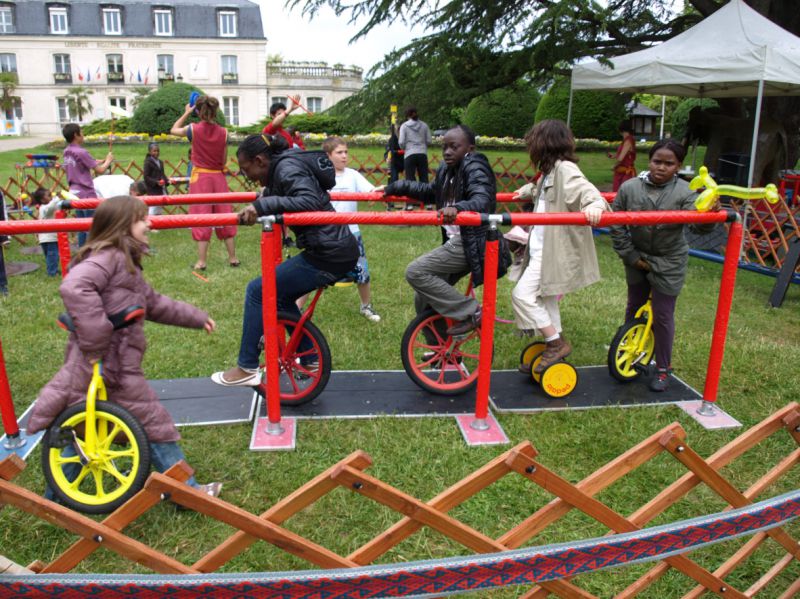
279, 112
414, 140
625, 157
209, 155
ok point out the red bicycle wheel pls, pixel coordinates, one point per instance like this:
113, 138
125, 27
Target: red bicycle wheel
437, 362
304, 371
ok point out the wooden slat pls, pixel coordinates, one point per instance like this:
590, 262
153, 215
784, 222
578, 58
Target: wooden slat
553, 483
714, 480
385, 494
792, 424
282, 511
769, 575
591, 485
11, 466
792, 592
9, 567
444, 502
250, 523
80, 525
122, 517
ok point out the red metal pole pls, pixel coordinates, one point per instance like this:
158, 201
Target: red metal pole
487, 327
64, 252
6, 405
269, 312
726, 288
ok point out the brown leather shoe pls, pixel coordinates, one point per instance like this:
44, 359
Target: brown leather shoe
556, 350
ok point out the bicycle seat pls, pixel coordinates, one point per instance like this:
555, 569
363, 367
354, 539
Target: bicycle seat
120, 320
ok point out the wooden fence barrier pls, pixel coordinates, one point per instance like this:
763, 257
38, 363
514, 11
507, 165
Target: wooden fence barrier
415, 514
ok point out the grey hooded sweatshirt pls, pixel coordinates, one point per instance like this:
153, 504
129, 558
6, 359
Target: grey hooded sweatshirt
415, 137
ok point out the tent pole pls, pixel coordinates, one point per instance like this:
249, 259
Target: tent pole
569, 106
756, 125
663, 106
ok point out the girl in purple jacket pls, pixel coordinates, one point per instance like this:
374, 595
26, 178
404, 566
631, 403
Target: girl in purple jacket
105, 278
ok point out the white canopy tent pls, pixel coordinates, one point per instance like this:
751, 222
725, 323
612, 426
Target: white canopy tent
735, 52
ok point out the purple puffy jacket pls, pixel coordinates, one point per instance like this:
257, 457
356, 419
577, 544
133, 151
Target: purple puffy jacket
96, 287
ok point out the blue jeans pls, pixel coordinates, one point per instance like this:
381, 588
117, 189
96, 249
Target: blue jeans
83, 214
294, 278
50, 250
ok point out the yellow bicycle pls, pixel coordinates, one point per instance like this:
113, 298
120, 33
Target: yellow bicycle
632, 347
95, 454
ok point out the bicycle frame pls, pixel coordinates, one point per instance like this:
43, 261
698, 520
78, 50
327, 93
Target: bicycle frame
96, 392
294, 339
645, 311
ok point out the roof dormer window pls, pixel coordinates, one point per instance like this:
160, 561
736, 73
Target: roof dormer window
7, 19
59, 23
162, 21
112, 21
227, 23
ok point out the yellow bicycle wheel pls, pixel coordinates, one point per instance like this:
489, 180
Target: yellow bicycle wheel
625, 361
99, 481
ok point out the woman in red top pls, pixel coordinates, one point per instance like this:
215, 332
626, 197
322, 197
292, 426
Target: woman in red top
209, 155
625, 156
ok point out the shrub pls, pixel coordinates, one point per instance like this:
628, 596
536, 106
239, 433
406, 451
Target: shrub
594, 114
508, 111
680, 116
159, 111
100, 126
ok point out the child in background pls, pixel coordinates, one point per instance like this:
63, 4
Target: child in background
348, 179
138, 188
464, 181
656, 257
296, 139
154, 178
559, 259
105, 278
47, 205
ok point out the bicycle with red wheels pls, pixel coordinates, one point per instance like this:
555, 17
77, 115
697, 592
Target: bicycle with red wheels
304, 357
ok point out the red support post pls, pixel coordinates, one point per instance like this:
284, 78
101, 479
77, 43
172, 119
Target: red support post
270, 256
726, 288
487, 327
6, 404
64, 253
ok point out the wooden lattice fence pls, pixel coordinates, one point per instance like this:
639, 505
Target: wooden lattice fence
415, 514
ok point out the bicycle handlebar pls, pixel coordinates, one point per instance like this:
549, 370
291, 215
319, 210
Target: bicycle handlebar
120, 320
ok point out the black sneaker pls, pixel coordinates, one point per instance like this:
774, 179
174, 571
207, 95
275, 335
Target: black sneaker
465, 326
660, 380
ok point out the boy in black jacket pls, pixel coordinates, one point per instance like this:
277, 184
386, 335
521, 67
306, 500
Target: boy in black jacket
464, 181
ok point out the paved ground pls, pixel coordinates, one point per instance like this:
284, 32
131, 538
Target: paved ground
12, 142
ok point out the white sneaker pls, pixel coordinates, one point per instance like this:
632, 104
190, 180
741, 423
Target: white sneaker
370, 314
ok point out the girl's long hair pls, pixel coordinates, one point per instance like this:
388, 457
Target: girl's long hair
111, 227
548, 141
207, 107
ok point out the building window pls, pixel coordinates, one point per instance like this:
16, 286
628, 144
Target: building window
227, 23
62, 68
112, 21
163, 22
230, 69
279, 100
15, 112
230, 108
118, 102
8, 63
166, 67
64, 115
115, 68
6, 19
314, 104
58, 20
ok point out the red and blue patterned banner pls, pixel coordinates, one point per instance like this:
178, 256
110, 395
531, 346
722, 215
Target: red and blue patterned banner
431, 577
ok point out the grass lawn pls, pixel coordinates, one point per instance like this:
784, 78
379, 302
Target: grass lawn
421, 456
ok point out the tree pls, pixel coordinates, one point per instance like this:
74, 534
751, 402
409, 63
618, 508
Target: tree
78, 101
595, 114
160, 109
508, 111
481, 45
140, 92
8, 101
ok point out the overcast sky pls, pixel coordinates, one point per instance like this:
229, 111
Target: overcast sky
294, 37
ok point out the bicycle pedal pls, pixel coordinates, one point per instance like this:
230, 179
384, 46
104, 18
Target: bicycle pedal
61, 437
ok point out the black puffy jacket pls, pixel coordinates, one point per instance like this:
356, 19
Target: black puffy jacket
475, 191
299, 182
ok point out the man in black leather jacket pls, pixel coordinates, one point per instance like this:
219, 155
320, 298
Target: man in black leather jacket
464, 181
293, 182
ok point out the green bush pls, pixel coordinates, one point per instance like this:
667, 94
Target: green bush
508, 111
680, 116
159, 111
594, 114
100, 126
305, 123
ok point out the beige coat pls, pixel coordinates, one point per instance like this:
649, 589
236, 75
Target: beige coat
569, 260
